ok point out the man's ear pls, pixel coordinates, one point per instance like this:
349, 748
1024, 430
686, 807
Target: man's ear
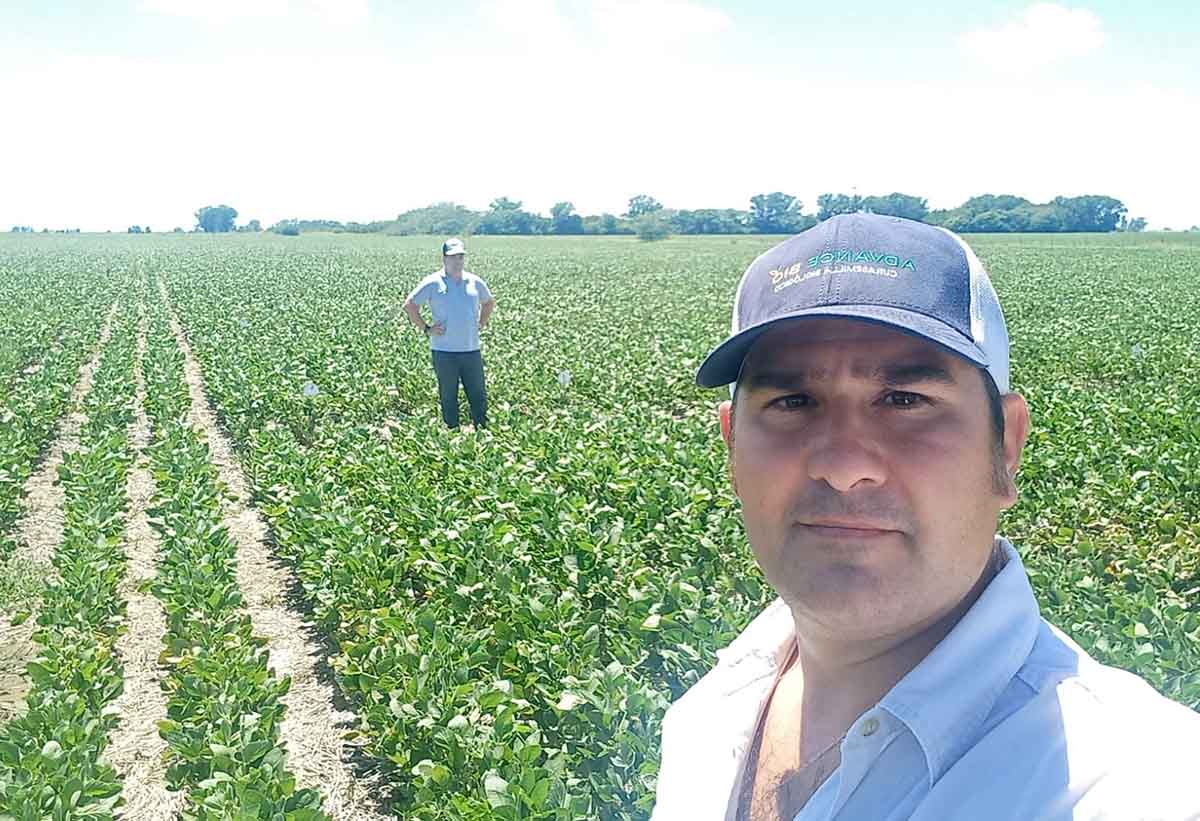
726, 413
1016, 433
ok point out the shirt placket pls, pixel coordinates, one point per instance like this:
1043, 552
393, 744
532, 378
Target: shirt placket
862, 747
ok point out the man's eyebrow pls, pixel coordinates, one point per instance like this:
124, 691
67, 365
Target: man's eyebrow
892, 374
779, 380
913, 373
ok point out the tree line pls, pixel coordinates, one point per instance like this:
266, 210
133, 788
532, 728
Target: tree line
773, 213
645, 216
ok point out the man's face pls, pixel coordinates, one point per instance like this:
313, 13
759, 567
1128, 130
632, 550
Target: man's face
864, 459
453, 263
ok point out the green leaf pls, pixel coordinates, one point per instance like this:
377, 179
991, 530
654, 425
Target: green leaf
497, 791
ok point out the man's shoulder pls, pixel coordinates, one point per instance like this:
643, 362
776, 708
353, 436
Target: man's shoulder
435, 279
1097, 699
1117, 709
1072, 738
1115, 736
1133, 747
1089, 685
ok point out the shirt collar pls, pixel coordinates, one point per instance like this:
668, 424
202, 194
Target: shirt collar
946, 698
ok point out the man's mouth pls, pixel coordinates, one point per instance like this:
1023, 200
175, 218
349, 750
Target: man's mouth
848, 528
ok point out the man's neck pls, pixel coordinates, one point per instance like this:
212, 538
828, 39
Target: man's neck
842, 680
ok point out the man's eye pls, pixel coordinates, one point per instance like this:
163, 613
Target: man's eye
795, 402
904, 399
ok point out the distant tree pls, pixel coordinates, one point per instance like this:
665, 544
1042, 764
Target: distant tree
777, 213
22, 229
1043, 219
215, 219
253, 225
996, 221
506, 217
607, 224
830, 205
897, 205
177, 230
134, 229
652, 225
642, 204
992, 202
1091, 212
1009, 213
310, 226
1137, 224
564, 219
442, 218
376, 227
1194, 229
708, 221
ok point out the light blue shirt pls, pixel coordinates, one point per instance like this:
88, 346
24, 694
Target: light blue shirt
1006, 718
456, 306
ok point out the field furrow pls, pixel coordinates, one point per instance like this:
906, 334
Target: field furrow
312, 728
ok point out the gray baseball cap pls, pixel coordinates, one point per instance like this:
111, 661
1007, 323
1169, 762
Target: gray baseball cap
919, 278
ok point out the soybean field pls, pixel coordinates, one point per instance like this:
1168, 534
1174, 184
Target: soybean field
245, 572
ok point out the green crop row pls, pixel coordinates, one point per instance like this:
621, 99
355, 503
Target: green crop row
223, 705
43, 303
51, 762
35, 394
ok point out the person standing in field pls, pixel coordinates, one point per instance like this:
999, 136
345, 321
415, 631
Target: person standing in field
461, 306
905, 671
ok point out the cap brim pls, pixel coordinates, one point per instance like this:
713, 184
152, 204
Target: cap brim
724, 363
454, 252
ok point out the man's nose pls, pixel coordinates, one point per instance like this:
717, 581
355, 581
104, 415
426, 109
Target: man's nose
845, 451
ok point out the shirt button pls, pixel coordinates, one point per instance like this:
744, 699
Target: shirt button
870, 726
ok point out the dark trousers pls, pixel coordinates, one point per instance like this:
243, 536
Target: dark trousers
452, 368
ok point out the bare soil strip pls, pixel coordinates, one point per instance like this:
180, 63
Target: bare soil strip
135, 748
312, 729
40, 531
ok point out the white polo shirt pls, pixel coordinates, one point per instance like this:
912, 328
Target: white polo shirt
1006, 718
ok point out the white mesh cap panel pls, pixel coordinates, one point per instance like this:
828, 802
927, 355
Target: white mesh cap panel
988, 329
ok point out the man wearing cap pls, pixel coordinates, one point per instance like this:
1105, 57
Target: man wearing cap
904, 672
461, 305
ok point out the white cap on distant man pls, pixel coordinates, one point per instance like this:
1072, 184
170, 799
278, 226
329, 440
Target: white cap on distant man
453, 247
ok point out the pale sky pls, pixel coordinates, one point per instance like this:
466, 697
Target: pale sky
121, 112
